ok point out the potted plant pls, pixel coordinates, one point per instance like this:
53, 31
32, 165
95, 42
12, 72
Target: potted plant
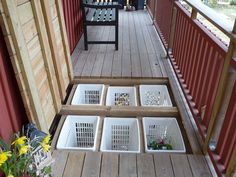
17, 156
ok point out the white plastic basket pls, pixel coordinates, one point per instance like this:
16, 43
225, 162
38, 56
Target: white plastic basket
79, 132
121, 96
154, 95
163, 129
120, 135
88, 94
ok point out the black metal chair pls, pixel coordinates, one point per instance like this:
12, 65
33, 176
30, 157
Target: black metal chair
100, 14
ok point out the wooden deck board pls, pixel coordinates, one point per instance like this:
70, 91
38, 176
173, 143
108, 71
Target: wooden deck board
138, 54
97, 164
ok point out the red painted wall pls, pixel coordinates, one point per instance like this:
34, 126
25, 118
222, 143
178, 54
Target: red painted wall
74, 22
12, 112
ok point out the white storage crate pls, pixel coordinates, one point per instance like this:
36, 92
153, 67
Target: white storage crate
120, 135
162, 132
154, 95
88, 94
79, 132
121, 96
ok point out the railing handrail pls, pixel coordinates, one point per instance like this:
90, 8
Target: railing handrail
226, 26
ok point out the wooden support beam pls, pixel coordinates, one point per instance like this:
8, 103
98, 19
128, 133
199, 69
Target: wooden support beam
131, 111
46, 54
24, 60
53, 47
232, 165
64, 39
120, 81
172, 30
221, 89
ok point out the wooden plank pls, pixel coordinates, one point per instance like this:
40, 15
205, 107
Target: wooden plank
23, 57
88, 67
92, 164
57, 133
104, 37
97, 67
145, 65
29, 30
34, 47
128, 167
154, 64
120, 81
181, 165
126, 64
135, 64
107, 64
46, 55
64, 39
125, 34
145, 165
60, 161
80, 63
119, 111
116, 65
163, 165
19, 2
199, 166
74, 165
53, 47
25, 13
109, 166
133, 35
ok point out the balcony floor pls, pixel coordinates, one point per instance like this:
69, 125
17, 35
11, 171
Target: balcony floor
95, 164
139, 56
139, 53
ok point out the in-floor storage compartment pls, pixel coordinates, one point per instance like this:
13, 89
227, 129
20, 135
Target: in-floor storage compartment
79, 132
120, 135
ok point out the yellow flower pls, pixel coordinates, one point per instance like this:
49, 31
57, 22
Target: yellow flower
20, 141
10, 175
4, 157
46, 139
23, 150
46, 147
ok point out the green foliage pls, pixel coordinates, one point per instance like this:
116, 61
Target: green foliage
233, 2
17, 156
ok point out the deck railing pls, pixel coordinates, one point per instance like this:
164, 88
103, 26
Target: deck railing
202, 62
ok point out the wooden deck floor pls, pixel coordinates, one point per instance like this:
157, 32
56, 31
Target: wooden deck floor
138, 55
96, 164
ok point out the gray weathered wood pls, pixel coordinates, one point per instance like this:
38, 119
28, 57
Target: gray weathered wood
163, 165
181, 166
145, 165
199, 166
74, 164
92, 164
109, 165
58, 166
128, 167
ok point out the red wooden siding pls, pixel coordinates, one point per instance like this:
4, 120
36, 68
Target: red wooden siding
73, 20
12, 112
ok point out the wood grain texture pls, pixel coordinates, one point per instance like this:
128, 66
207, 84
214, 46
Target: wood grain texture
58, 166
145, 165
181, 166
163, 165
92, 165
74, 165
109, 166
199, 166
138, 54
128, 167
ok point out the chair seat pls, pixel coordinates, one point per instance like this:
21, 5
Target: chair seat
101, 16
